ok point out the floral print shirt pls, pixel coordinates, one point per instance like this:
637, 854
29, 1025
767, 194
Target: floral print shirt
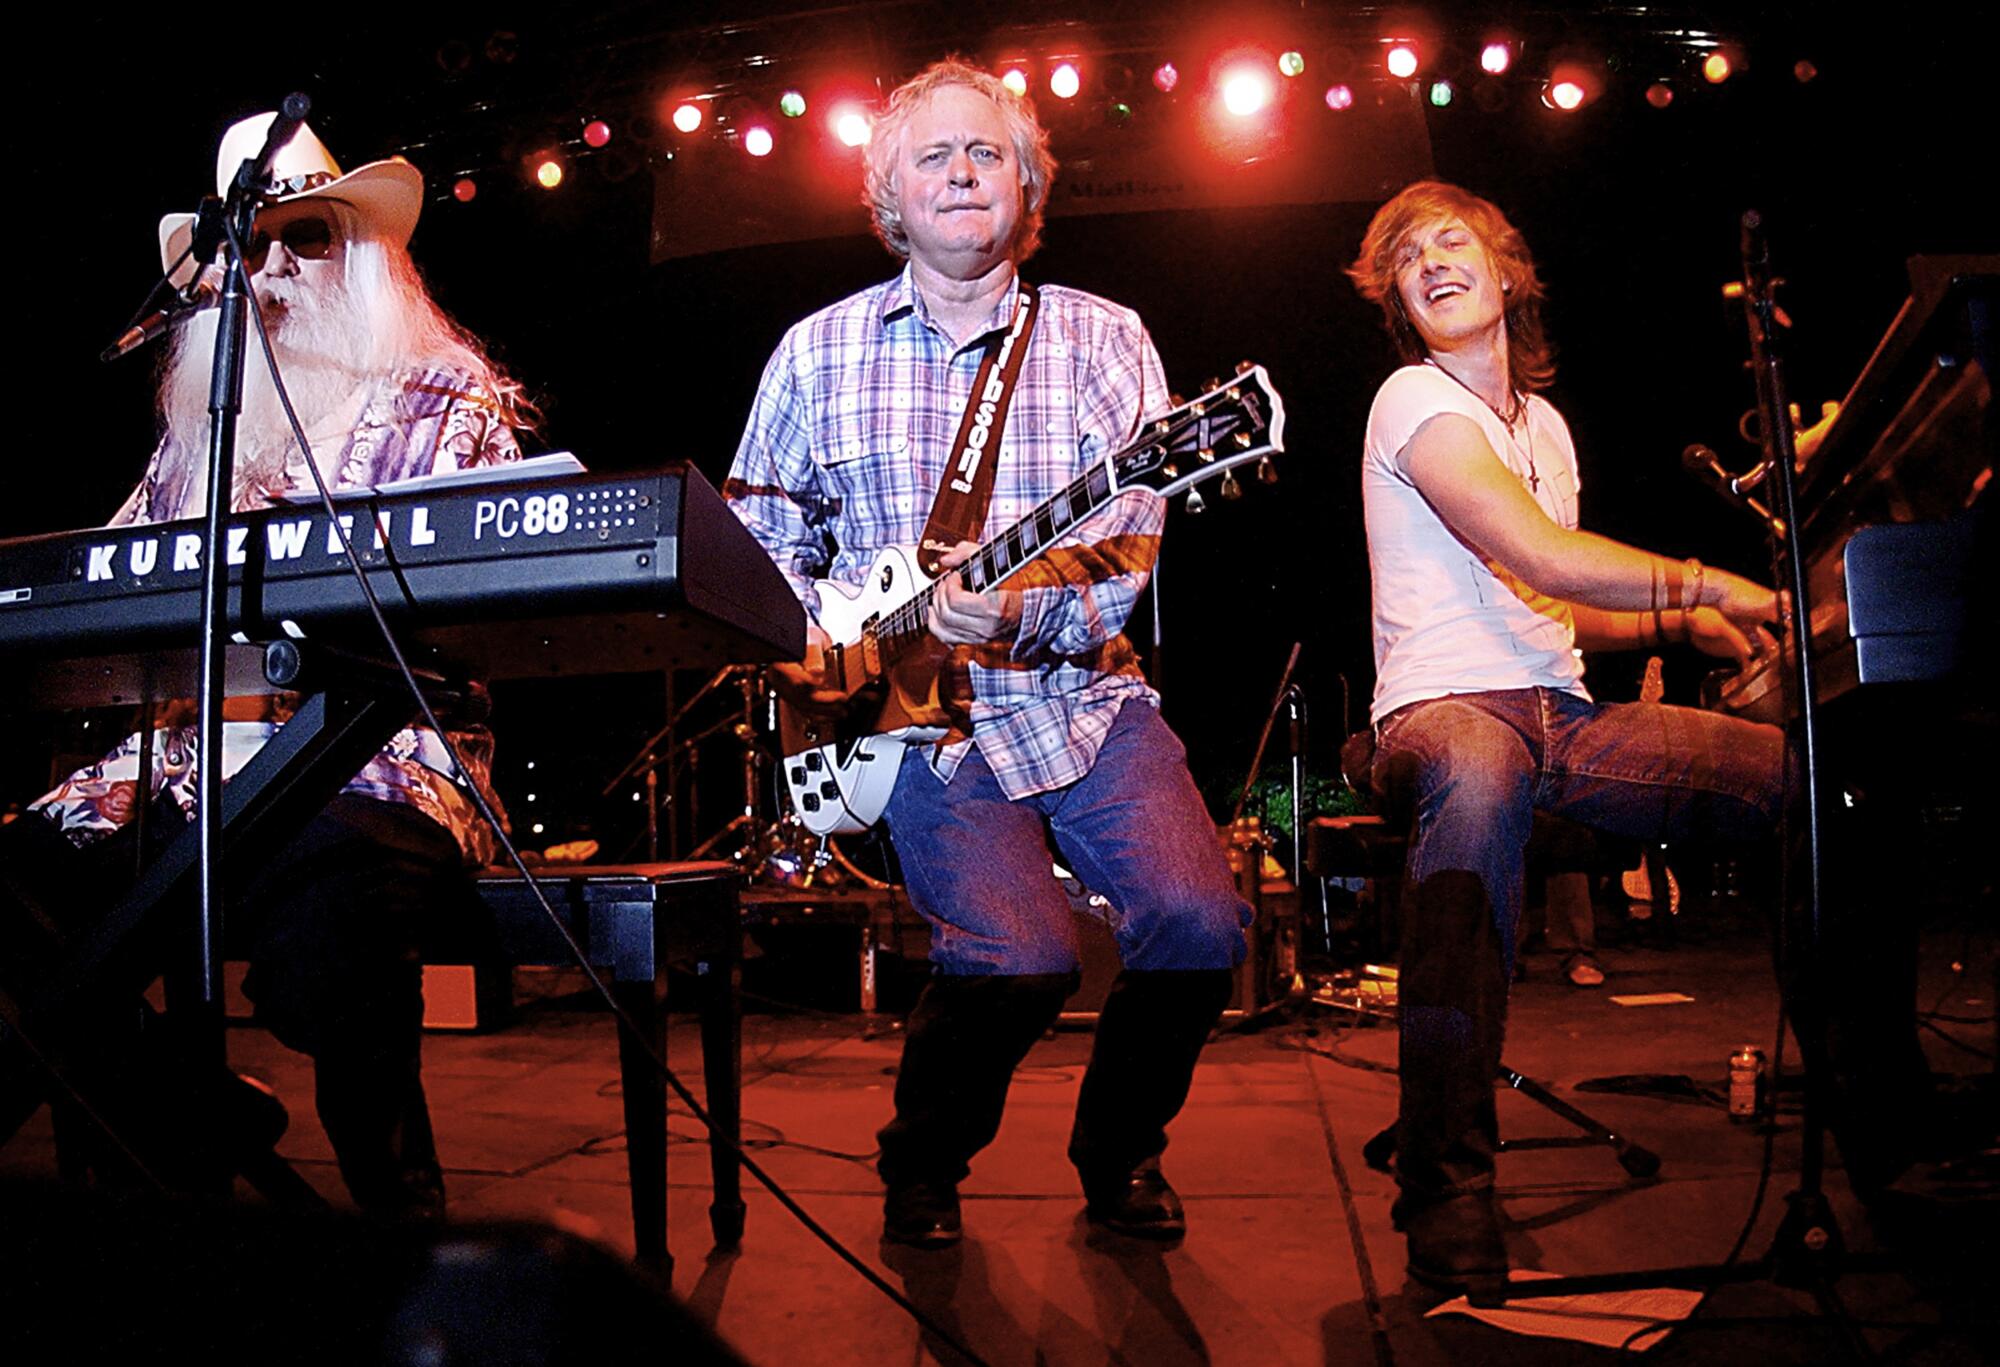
420, 422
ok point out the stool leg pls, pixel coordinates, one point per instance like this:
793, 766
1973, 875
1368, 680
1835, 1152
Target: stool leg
645, 1098
1634, 1158
722, 1074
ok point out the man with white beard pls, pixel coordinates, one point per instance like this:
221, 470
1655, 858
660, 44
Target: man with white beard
386, 387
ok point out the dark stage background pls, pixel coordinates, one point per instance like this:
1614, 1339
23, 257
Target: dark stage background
1632, 212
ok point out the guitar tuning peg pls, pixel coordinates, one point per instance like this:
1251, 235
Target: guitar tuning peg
1267, 472
1231, 490
1213, 384
1176, 400
1195, 502
1171, 471
1245, 367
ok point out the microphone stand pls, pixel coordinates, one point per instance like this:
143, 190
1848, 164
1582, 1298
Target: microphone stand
206, 1042
1295, 734
1808, 1233
1807, 1245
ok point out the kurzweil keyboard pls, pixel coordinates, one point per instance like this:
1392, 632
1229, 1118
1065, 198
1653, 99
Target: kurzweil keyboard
578, 575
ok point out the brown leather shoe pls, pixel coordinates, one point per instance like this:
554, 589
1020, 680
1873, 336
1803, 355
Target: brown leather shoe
1139, 1203
922, 1215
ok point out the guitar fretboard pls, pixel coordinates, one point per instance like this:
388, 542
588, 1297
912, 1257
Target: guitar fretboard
900, 628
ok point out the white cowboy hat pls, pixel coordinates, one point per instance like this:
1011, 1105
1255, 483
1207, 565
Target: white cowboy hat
387, 194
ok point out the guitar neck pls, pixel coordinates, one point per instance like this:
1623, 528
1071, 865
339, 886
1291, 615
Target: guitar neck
1232, 422
993, 562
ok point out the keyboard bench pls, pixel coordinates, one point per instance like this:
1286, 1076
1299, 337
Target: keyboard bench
634, 920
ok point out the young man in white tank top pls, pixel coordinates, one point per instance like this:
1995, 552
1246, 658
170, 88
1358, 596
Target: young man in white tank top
1484, 593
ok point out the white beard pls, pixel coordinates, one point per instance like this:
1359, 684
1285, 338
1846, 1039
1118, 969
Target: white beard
321, 341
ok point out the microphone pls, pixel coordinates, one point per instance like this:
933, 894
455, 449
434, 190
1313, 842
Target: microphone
200, 296
250, 176
1704, 465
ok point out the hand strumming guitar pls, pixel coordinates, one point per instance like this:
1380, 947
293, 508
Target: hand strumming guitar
799, 683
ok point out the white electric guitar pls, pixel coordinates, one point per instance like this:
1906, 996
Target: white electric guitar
840, 772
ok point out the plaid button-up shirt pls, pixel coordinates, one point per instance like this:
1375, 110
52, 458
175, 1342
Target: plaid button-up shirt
848, 439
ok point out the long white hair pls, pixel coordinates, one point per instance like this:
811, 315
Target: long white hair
332, 344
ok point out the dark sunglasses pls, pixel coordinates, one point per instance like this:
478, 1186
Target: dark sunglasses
310, 239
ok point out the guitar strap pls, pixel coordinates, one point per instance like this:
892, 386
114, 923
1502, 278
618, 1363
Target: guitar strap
958, 513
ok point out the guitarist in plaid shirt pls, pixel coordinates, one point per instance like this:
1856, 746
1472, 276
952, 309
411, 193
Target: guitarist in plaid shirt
1055, 735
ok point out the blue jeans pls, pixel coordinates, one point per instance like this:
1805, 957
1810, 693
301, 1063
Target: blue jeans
1133, 829
1476, 767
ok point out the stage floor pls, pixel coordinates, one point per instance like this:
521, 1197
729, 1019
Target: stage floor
1289, 1258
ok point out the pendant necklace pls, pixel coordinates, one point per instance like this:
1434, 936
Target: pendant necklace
1518, 413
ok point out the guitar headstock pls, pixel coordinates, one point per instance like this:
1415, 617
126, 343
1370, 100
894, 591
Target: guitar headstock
1236, 422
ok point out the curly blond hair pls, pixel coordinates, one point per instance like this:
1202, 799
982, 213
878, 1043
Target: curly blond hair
885, 146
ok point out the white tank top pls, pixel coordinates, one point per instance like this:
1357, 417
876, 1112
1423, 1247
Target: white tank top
1446, 619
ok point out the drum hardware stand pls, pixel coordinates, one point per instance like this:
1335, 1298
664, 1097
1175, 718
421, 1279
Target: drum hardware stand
651, 758
744, 728
1807, 1251
1290, 700
756, 842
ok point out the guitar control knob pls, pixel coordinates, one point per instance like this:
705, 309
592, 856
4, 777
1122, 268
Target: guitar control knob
1231, 490
1195, 502
1266, 471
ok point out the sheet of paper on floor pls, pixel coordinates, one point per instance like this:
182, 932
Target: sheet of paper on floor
1607, 1319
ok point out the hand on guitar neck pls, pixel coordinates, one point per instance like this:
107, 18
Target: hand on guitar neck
958, 616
